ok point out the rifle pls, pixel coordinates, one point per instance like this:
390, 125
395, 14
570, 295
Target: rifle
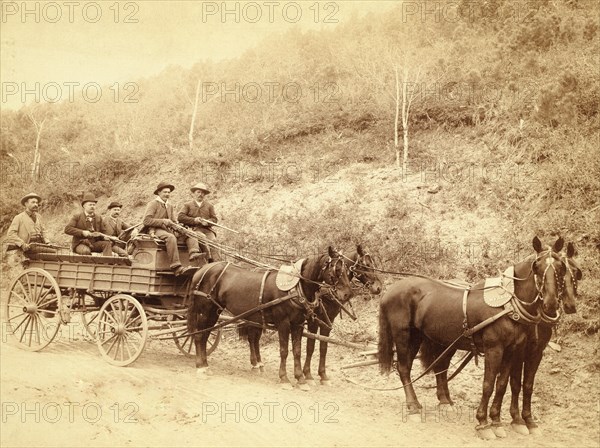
49, 245
219, 225
114, 239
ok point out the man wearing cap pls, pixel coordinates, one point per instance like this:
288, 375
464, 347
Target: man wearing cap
84, 228
113, 226
199, 214
27, 228
158, 219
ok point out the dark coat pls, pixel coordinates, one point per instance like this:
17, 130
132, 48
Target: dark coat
114, 227
79, 223
190, 210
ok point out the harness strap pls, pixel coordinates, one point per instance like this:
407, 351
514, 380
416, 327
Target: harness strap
260, 298
466, 324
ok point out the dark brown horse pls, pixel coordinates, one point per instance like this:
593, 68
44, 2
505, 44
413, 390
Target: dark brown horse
419, 312
222, 286
527, 362
361, 270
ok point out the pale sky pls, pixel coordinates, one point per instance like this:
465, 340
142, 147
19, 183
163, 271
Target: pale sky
79, 41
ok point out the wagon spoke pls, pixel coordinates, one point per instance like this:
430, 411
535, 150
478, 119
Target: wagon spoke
43, 296
23, 289
38, 326
48, 302
30, 294
18, 315
127, 347
39, 299
28, 319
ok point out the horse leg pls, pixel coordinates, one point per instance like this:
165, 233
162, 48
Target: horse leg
493, 359
283, 331
256, 342
407, 348
323, 356
313, 327
205, 320
251, 336
501, 384
297, 352
530, 369
516, 373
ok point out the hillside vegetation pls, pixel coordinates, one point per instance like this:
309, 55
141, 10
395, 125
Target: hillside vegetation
505, 120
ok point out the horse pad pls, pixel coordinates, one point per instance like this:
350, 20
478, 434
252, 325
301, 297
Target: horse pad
499, 290
288, 275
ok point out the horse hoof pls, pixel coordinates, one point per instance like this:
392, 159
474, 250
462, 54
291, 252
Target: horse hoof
447, 408
415, 418
311, 382
499, 431
202, 372
286, 386
520, 429
534, 430
325, 382
304, 386
486, 434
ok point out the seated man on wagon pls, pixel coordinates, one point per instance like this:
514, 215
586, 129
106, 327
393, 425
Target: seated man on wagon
199, 215
159, 218
87, 230
26, 231
114, 226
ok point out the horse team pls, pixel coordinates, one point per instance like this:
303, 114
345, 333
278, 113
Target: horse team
417, 314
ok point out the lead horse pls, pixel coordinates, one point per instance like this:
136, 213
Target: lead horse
222, 285
421, 312
526, 363
361, 269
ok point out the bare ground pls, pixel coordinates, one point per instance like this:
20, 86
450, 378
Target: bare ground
67, 395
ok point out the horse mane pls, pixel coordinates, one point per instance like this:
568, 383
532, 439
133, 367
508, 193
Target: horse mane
311, 268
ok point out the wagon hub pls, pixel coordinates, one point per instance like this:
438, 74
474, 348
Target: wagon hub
30, 308
120, 329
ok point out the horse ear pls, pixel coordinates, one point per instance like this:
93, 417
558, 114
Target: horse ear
578, 274
570, 249
537, 244
558, 245
332, 252
359, 250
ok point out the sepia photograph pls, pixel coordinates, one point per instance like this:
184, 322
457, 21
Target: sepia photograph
300, 223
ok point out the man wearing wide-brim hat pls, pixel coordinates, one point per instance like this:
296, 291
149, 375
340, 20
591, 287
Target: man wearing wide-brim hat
159, 218
86, 228
199, 214
26, 231
114, 226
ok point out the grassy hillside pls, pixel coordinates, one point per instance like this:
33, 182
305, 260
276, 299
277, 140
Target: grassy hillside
505, 122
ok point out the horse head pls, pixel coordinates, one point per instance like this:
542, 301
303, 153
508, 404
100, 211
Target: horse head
363, 270
335, 273
549, 273
572, 276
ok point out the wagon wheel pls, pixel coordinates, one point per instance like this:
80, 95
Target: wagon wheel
185, 344
122, 330
32, 309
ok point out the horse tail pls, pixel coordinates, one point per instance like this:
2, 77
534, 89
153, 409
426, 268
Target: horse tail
243, 331
386, 343
429, 353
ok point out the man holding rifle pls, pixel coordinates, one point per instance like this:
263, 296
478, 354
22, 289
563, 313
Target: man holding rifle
86, 228
26, 231
114, 226
200, 216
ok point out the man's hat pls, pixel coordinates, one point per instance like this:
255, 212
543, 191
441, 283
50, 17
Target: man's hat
114, 204
200, 186
163, 185
29, 196
88, 197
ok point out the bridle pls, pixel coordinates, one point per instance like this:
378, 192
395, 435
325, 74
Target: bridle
359, 271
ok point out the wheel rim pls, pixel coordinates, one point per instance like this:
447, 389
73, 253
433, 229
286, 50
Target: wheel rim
185, 344
32, 309
122, 330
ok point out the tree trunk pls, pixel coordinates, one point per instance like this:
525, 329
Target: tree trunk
35, 166
405, 110
192, 124
396, 119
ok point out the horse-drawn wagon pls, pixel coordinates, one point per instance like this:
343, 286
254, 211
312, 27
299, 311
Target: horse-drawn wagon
122, 302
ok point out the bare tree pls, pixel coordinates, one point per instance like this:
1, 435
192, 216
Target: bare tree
38, 124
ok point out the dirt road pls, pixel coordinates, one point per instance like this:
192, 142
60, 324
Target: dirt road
67, 395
